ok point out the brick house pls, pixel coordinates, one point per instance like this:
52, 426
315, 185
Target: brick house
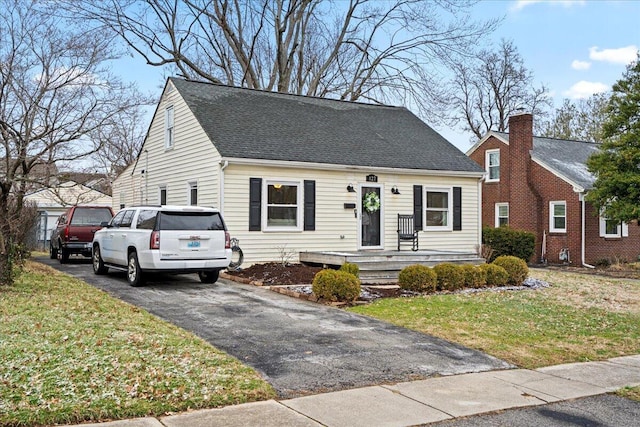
538, 184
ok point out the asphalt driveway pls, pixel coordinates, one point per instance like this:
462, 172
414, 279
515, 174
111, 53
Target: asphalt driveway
298, 346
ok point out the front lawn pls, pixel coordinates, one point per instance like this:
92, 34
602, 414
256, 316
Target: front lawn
579, 318
71, 353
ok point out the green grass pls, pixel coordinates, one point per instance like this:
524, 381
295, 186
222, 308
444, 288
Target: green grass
71, 353
579, 318
630, 393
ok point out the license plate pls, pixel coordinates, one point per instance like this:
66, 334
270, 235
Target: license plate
193, 244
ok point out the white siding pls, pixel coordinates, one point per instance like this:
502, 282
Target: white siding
126, 189
193, 158
337, 228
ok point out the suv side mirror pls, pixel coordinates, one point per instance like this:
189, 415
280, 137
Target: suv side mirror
105, 224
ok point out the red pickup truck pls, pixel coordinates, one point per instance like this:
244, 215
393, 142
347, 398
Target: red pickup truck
74, 231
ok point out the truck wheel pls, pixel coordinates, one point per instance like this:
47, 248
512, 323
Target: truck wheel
98, 263
53, 252
134, 273
63, 254
209, 276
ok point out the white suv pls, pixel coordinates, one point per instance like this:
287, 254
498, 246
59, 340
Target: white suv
169, 239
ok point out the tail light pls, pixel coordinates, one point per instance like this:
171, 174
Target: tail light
154, 242
227, 240
66, 233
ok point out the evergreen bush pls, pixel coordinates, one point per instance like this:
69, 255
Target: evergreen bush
351, 268
496, 275
336, 285
507, 241
515, 267
417, 278
450, 276
474, 277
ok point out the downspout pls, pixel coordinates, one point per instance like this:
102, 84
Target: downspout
582, 244
480, 215
223, 166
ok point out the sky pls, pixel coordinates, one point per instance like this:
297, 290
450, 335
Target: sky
574, 47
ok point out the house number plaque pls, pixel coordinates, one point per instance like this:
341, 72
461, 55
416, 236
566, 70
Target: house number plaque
372, 178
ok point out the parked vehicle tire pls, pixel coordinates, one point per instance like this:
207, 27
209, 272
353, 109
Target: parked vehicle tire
134, 273
98, 263
63, 254
209, 276
53, 252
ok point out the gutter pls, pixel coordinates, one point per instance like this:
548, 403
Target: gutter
582, 244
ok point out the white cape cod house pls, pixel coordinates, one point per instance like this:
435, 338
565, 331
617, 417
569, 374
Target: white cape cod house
298, 174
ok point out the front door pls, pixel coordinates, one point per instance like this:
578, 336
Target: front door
370, 211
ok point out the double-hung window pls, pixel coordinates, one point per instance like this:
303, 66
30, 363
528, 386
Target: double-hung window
283, 205
613, 229
558, 217
438, 209
168, 128
492, 164
502, 214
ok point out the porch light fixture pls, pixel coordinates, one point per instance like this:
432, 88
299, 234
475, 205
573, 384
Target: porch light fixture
350, 188
394, 190
277, 186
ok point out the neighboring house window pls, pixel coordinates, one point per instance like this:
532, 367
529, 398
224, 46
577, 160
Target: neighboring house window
168, 128
122, 199
193, 194
438, 209
610, 228
162, 195
502, 214
492, 162
282, 205
558, 217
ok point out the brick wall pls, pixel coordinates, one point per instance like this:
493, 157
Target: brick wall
528, 188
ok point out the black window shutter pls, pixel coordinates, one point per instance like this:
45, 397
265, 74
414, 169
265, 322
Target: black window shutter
417, 207
309, 205
457, 208
255, 204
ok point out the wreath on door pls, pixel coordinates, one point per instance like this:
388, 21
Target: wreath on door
371, 202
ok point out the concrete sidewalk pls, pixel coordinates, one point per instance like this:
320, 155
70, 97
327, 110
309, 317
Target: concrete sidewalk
418, 402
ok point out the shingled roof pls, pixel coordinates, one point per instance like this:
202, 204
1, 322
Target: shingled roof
253, 124
566, 158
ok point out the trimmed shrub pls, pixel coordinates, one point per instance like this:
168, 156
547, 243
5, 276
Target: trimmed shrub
474, 277
507, 241
351, 268
516, 268
496, 275
450, 276
336, 285
417, 278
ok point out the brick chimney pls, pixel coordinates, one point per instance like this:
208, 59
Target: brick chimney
525, 204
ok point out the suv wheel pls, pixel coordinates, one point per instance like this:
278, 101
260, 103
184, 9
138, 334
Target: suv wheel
134, 274
53, 252
98, 263
209, 276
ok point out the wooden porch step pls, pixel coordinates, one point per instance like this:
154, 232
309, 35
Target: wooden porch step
385, 266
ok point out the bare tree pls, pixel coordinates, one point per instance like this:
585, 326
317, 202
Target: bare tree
380, 51
580, 120
54, 92
492, 87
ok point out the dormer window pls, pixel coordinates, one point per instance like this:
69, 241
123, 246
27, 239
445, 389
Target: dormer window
492, 165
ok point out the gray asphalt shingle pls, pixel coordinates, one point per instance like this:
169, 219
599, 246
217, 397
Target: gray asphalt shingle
254, 124
566, 157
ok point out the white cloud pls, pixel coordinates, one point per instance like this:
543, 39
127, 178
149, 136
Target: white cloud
622, 55
584, 89
580, 65
521, 4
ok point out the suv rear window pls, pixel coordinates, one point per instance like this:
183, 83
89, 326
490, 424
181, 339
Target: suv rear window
190, 221
90, 216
